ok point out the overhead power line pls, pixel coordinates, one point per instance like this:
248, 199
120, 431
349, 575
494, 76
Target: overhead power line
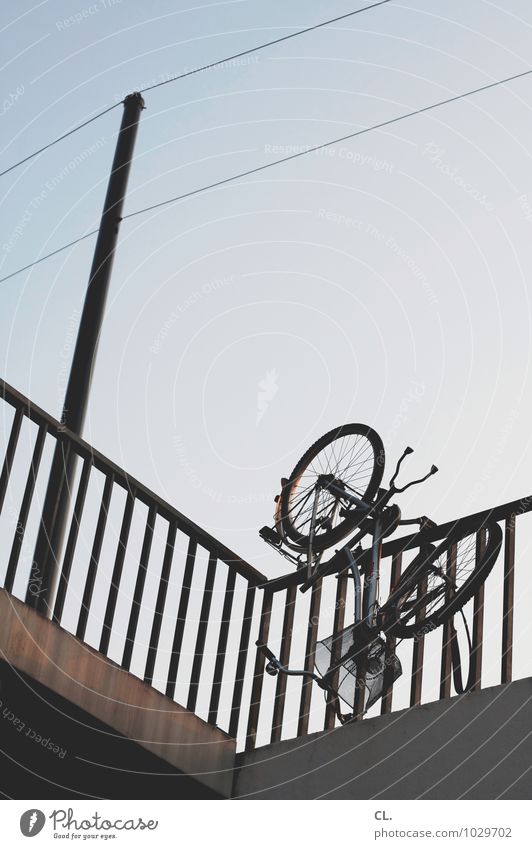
196, 71
266, 165
316, 147
263, 46
58, 139
47, 256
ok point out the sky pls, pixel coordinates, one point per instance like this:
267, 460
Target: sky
382, 280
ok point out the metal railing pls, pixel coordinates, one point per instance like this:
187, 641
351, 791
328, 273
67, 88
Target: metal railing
172, 652
309, 622
104, 603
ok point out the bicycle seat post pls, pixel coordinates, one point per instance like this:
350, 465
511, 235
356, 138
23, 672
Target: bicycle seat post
373, 578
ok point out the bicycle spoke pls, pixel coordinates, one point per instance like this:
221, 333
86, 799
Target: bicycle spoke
415, 604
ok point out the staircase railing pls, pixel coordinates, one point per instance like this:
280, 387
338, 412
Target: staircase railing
101, 604
164, 599
323, 612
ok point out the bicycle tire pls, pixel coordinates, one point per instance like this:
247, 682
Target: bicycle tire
375, 460
399, 604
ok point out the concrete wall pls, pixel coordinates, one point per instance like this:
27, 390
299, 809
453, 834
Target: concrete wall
53, 657
476, 746
50, 748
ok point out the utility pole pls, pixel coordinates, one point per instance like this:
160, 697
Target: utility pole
46, 559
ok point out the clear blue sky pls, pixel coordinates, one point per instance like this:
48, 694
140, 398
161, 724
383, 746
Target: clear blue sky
384, 281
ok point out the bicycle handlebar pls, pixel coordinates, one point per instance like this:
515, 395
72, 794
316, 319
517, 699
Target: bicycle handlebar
276, 667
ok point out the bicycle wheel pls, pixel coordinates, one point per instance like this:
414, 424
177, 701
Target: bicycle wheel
439, 581
354, 455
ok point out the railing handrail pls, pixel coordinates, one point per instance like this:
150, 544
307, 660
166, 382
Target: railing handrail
40, 417
397, 546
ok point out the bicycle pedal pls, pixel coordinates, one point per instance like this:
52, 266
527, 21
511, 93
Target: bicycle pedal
324, 524
269, 535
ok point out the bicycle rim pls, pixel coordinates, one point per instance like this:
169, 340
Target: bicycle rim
354, 455
439, 583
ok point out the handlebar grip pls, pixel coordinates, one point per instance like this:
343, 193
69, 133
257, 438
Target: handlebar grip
265, 650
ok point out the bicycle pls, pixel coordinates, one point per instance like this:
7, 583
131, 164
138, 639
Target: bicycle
334, 490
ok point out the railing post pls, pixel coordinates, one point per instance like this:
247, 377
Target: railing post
478, 617
160, 603
418, 651
387, 691
184, 597
284, 658
243, 649
221, 650
95, 558
10, 454
23, 515
508, 600
139, 587
112, 597
446, 652
203, 624
310, 652
258, 673
338, 625
62, 586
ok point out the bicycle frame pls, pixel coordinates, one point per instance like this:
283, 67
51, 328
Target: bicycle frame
366, 606
371, 511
